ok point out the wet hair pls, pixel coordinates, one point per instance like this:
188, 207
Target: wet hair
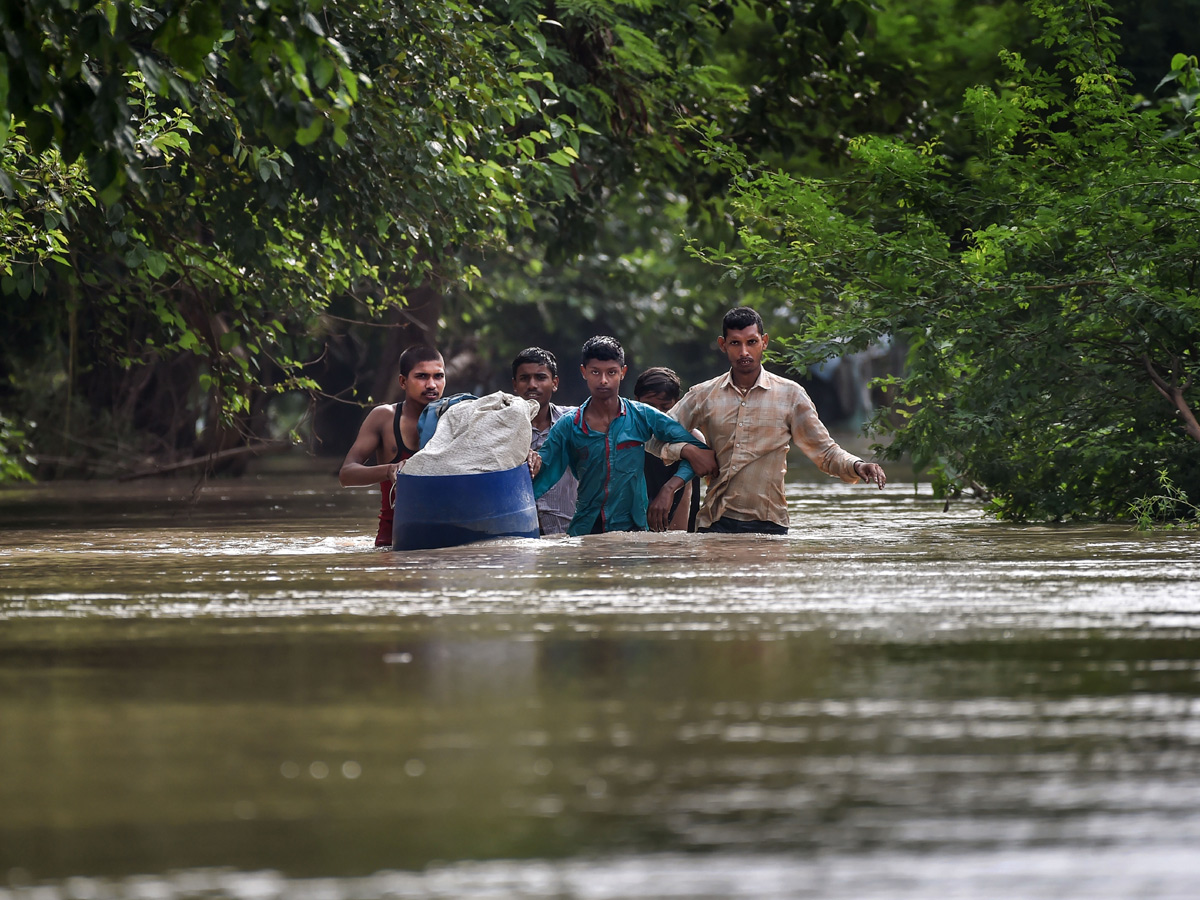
658, 380
538, 357
416, 354
741, 317
604, 348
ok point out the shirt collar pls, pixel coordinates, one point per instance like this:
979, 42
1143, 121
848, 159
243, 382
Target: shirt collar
763, 381
581, 421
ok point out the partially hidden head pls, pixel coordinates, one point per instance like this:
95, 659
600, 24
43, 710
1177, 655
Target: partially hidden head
535, 374
422, 374
659, 387
602, 366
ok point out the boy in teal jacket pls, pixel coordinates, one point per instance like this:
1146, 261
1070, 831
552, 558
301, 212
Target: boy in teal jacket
603, 444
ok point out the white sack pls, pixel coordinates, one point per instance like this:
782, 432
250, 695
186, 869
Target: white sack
490, 434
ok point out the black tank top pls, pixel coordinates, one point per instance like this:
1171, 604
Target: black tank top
402, 452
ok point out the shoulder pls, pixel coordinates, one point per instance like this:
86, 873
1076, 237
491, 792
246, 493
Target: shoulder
775, 382
707, 387
642, 411
787, 391
380, 416
565, 421
699, 392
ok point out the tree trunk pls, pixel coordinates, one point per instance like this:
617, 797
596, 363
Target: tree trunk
416, 323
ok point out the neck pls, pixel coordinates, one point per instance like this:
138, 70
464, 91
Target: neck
746, 380
542, 420
609, 407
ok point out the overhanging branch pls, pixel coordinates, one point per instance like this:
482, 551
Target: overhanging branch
1174, 393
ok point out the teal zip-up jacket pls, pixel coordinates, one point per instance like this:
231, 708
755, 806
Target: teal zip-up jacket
610, 466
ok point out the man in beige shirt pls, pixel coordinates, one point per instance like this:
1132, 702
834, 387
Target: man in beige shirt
749, 417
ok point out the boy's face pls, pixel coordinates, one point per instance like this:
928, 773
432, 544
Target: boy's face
424, 383
534, 382
658, 400
603, 377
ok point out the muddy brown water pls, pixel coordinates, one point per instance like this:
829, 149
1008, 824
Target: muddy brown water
234, 695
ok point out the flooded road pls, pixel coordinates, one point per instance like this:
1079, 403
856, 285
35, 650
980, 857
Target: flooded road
238, 697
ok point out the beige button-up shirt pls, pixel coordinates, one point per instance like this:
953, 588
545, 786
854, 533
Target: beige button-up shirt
751, 433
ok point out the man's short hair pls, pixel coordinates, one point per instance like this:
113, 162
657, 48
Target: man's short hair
602, 347
416, 354
538, 357
658, 380
741, 317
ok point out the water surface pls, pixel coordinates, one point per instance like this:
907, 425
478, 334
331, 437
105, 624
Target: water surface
229, 693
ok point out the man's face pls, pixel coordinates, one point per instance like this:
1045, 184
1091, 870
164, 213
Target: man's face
658, 400
603, 377
534, 382
744, 347
424, 383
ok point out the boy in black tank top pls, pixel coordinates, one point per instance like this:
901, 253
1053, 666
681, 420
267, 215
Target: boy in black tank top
389, 432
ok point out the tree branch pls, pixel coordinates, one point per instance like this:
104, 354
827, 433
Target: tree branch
1174, 393
209, 459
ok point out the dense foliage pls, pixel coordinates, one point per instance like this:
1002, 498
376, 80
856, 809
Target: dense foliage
1042, 276
189, 189
208, 204
786, 83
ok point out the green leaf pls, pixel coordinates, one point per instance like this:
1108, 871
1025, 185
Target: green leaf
309, 133
156, 264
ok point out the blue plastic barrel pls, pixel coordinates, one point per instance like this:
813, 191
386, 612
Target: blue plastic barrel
450, 510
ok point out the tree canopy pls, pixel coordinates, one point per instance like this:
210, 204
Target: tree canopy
1042, 277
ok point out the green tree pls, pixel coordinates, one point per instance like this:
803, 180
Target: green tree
1045, 286
784, 82
165, 297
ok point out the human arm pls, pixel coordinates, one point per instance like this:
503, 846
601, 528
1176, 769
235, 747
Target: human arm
679, 521
552, 458
368, 444
669, 431
810, 435
658, 514
701, 459
871, 473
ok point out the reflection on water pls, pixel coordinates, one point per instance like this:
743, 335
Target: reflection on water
238, 697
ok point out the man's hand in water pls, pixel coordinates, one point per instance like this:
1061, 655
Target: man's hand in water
535, 462
703, 462
871, 473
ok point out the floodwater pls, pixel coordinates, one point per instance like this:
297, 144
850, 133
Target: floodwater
235, 696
